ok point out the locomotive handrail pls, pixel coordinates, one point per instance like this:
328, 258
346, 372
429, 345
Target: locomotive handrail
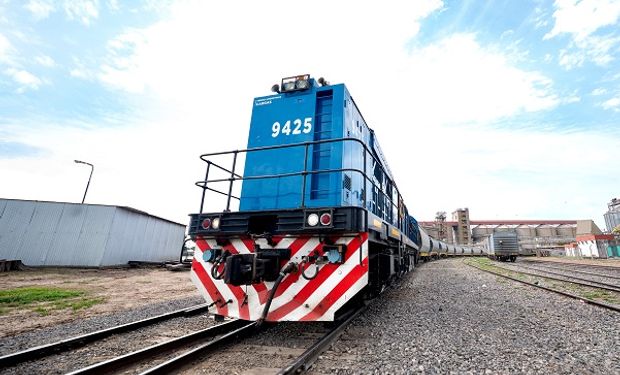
220, 167
290, 145
268, 176
236, 177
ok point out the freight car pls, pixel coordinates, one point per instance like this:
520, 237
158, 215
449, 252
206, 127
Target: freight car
321, 222
502, 246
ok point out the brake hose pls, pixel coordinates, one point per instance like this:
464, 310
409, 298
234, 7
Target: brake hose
290, 267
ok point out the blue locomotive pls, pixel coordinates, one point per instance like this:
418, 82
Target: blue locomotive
321, 223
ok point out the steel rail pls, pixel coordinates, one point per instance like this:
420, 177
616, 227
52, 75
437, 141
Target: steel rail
570, 269
307, 358
182, 360
567, 294
81, 340
119, 362
582, 265
590, 283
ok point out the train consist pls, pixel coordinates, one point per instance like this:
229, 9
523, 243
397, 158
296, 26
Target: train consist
321, 223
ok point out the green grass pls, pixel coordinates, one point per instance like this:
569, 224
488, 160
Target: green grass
44, 299
599, 294
30, 295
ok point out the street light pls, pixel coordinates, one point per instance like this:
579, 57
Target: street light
92, 168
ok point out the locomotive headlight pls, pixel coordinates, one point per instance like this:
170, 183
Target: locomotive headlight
216, 223
313, 220
206, 223
288, 85
295, 83
302, 84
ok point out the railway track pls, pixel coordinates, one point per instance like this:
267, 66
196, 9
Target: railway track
602, 267
75, 342
228, 332
562, 277
581, 293
561, 267
188, 354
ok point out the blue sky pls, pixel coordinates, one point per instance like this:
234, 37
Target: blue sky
516, 103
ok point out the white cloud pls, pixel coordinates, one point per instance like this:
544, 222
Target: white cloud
599, 91
201, 73
113, 5
40, 9
459, 80
80, 70
25, 79
612, 104
539, 18
581, 18
84, 11
478, 82
599, 50
200, 38
45, 60
504, 173
6, 50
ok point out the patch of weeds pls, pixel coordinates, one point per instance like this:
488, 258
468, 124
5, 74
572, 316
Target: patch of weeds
44, 300
41, 311
599, 294
85, 303
30, 295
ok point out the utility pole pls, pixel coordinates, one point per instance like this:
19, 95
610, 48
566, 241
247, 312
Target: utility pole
92, 168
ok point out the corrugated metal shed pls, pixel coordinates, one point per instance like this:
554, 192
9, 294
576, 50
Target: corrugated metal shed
86, 235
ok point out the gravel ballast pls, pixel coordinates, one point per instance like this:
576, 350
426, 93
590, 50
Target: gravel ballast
448, 317
108, 347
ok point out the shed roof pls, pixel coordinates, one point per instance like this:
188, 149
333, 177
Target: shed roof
131, 209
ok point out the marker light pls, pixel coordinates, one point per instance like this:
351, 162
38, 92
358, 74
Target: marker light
208, 255
313, 220
206, 224
326, 219
334, 256
216, 223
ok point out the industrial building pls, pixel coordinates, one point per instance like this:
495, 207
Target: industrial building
457, 231
535, 236
84, 235
591, 242
612, 216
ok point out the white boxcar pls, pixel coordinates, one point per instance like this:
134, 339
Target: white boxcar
84, 235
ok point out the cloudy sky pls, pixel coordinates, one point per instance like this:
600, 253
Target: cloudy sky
510, 108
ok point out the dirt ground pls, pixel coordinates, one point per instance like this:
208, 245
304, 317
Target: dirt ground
120, 289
